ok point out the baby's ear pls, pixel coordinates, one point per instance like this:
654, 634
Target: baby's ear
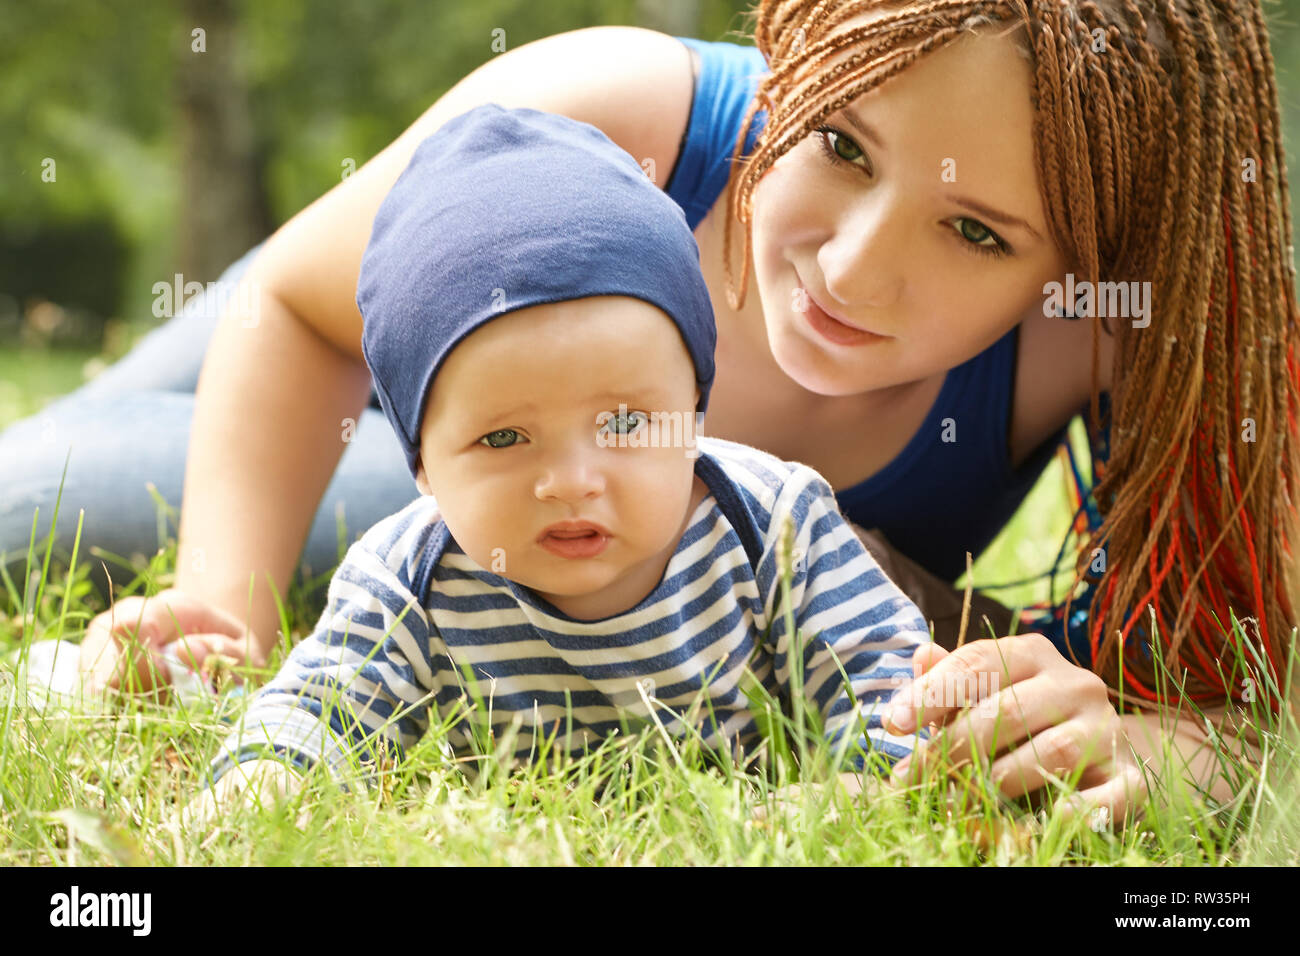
421, 479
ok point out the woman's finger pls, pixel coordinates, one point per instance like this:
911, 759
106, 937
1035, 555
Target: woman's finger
112, 657
160, 619
215, 654
123, 618
925, 657
193, 650
123, 645
1111, 801
193, 614
1000, 723
965, 677
1054, 756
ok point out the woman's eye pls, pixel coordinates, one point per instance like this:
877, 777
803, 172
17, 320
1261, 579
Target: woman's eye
501, 438
979, 237
839, 148
625, 424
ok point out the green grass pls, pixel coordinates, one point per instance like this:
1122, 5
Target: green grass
101, 784
30, 378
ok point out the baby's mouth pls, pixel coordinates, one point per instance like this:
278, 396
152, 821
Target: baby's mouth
573, 528
580, 540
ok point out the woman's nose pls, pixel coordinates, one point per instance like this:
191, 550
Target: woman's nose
862, 262
571, 475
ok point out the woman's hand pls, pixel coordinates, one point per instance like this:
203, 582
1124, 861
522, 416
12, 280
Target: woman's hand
131, 645
1038, 716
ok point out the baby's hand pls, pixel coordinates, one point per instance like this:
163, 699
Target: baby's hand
256, 784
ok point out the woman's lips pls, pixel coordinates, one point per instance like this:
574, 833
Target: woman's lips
834, 330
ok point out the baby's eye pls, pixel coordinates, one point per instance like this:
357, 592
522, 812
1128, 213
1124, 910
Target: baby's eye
502, 438
626, 423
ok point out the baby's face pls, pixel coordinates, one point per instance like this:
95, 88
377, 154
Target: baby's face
521, 434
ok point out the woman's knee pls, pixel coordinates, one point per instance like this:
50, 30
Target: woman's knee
125, 473
170, 356
103, 464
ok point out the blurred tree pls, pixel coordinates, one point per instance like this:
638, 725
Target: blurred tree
678, 17
224, 209
192, 157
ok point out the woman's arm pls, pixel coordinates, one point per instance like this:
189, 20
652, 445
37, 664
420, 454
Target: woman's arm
277, 384
1176, 745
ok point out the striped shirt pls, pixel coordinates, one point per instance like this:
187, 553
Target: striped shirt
414, 627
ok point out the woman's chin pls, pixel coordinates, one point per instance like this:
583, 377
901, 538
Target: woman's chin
813, 369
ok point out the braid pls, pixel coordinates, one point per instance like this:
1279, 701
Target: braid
1159, 155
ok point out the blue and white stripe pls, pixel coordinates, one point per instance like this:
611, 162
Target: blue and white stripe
381, 659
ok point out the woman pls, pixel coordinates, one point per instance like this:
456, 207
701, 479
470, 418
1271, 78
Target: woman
924, 173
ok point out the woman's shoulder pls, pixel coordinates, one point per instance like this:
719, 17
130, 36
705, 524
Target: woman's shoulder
631, 83
742, 57
724, 88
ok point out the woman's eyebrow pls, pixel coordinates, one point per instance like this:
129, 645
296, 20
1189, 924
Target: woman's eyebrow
1000, 218
867, 132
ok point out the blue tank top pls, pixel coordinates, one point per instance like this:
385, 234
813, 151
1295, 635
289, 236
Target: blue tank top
937, 499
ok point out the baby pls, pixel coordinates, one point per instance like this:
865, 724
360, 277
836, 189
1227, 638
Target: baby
536, 323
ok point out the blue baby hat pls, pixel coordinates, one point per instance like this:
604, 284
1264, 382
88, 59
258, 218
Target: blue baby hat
502, 209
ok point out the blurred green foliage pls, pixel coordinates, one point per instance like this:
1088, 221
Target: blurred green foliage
92, 84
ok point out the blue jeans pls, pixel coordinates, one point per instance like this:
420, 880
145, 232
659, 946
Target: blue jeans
130, 427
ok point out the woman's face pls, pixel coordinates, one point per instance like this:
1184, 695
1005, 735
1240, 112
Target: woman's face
927, 231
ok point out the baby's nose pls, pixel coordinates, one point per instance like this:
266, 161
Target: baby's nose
573, 477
